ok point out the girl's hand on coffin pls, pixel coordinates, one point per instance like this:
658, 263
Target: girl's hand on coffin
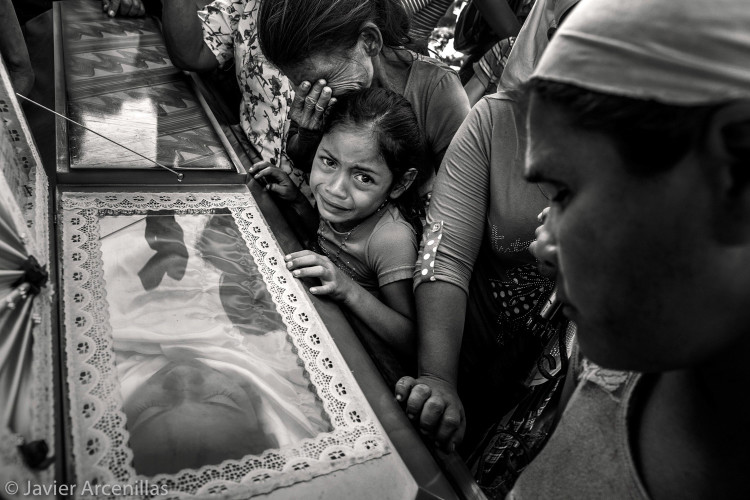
275, 180
310, 105
126, 8
334, 282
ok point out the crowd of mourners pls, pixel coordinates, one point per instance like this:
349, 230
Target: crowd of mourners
552, 250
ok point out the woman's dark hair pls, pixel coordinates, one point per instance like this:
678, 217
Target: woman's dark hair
290, 31
650, 136
398, 135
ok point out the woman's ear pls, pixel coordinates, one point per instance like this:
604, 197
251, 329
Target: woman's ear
370, 36
406, 180
727, 147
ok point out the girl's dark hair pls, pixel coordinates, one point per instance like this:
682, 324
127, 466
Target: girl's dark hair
650, 136
290, 31
398, 135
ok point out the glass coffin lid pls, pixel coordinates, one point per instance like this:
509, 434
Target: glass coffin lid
114, 76
195, 363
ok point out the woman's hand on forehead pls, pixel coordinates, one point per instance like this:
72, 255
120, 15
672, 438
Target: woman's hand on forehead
311, 103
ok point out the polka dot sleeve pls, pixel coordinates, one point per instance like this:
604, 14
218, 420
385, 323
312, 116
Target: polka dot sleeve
425, 268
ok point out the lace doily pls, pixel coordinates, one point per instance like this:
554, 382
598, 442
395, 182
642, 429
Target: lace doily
100, 449
26, 191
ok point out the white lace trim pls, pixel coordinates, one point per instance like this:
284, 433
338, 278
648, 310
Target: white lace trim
100, 451
27, 185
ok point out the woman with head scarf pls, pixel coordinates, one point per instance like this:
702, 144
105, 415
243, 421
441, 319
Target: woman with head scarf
643, 142
477, 286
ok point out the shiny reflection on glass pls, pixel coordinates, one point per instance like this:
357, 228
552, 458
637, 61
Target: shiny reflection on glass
131, 122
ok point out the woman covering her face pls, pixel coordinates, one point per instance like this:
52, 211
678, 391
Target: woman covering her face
328, 48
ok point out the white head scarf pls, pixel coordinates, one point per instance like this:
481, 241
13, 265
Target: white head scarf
684, 52
532, 40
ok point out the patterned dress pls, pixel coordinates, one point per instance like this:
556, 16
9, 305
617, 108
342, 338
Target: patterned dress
229, 29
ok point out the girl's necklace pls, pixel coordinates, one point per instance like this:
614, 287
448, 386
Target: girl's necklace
336, 259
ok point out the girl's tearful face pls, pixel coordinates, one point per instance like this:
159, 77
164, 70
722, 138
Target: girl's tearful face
350, 179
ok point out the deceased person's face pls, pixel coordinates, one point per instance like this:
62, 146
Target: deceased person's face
188, 415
